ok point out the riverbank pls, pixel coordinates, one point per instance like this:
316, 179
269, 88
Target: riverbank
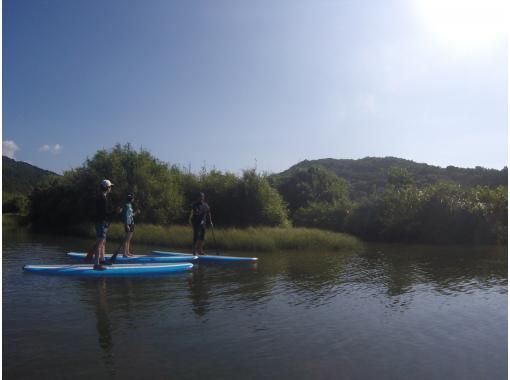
266, 239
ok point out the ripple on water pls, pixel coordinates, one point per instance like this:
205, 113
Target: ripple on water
427, 311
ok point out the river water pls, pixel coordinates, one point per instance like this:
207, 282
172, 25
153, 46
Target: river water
381, 312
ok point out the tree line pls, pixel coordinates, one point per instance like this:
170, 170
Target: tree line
368, 175
442, 212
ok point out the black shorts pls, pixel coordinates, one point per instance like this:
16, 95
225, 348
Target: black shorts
129, 228
198, 232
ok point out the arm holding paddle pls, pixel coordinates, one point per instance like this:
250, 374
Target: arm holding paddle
129, 226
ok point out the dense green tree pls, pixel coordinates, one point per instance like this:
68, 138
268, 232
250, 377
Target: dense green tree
399, 177
164, 192
220, 190
20, 178
248, 200
259, 202
325, 215
71, 198
311, 185
451, 213
440, 213
401, 207
14, 203
369, 175
316, 198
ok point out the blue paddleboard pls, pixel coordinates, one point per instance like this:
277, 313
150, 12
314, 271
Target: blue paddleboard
139, 259
110, 271
208, 258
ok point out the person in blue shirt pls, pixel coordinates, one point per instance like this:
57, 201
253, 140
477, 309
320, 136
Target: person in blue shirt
128, 218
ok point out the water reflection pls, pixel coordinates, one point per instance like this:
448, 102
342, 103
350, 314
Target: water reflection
199, 291
217, 286
103, 325
437, 312
447, 269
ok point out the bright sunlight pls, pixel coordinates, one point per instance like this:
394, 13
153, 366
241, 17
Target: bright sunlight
465, 24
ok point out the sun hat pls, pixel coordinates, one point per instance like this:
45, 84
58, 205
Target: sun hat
106, 183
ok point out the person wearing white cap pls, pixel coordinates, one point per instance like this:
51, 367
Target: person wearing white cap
103, 214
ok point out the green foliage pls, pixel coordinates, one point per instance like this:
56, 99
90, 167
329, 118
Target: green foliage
164, 193
20, 178
316, 198
155, 185
221, 194
399, 177
450, 213
14, 203
369, 175
406, 204
326, 215
243, 201
311, 185
440, 213
259, 202
261, 239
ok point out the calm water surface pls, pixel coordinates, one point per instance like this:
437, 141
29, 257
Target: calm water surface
384, 312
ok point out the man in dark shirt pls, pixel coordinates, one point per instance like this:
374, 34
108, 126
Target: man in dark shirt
102, 221
200, 211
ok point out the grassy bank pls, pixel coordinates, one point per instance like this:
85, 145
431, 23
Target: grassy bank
14, 221
249, 239
232, 239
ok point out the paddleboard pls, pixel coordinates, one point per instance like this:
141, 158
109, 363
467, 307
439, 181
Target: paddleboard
110, 271
208, 258
139, 259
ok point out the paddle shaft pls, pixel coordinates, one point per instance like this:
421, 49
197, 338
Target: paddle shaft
214, 237
114, 256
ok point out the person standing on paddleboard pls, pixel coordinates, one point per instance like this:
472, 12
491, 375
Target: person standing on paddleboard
128, 218
200, 211
103, 215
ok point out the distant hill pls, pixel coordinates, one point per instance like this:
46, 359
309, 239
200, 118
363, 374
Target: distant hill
369, 174
20, 178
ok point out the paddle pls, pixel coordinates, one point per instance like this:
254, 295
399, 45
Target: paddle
114, 256
90, 253
214, 237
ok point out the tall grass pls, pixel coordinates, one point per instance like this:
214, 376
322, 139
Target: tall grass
249, 239
14, 221
265, 239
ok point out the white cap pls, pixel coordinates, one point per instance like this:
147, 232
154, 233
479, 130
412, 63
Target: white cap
105, 183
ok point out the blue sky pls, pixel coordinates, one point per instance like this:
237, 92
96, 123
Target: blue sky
237, 84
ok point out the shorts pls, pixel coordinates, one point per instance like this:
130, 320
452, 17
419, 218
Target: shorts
101, 230
198, 232
129, 228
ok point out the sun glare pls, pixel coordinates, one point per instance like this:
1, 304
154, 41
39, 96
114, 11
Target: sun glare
465, 24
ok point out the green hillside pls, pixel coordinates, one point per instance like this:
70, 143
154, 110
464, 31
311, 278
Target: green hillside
369, 175
375, 199
20, 178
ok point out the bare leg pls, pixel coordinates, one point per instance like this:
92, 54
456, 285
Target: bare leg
127, 244
200, 247
125, 247
98, 250
102, 251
